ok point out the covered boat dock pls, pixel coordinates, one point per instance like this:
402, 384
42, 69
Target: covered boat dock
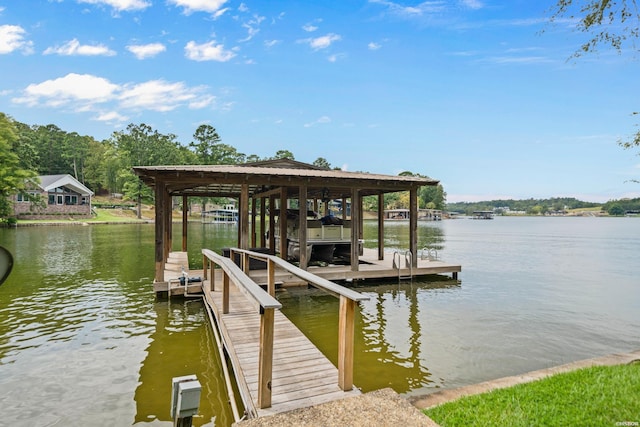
279, 195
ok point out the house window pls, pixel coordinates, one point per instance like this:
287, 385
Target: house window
52, 199
60, 199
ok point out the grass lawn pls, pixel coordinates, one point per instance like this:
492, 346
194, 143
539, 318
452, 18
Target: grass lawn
596, 396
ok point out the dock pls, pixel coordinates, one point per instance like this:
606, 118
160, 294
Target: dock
302, 375
275, 366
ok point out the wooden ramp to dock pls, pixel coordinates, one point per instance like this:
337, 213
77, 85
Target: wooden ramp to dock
302, 375
276, 359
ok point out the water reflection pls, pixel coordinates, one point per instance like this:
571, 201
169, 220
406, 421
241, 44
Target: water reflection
390, 330
181, 344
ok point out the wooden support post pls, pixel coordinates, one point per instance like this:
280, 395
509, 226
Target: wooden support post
302, 226
185, 220
272, 224
413, 225
225, 292
244, 216
212, 273
205, 264
263, 220
265, 358
282, 224
253, 221
246, 262
271, 278
345, 342
355, 229
159, 225
381, 225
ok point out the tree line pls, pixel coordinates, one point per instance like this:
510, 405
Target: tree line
544, 206
27, 151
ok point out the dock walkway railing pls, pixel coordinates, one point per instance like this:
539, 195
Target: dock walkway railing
265, 303
348, 300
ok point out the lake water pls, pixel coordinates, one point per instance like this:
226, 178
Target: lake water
83, 340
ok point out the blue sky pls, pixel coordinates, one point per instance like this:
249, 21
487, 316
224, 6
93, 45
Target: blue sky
469, 92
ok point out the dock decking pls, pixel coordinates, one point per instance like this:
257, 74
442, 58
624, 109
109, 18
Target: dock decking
302, 375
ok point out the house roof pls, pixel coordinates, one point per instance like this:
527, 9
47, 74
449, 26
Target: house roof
51, 182
262, 177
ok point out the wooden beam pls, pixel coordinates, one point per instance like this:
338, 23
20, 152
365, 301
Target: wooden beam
345, 342
263, 221
380, 226
272, 225
244, 217
265, 358
185, 218
253, 222
282, 222
413, 225
355, 229
159, 226
302, 226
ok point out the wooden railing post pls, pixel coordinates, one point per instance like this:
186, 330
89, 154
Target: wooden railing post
265, 358
212, 273
246, 260
205, 263
345, 343
271, 278
225, 292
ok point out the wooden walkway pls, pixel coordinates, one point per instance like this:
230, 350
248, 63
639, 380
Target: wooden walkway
302, 375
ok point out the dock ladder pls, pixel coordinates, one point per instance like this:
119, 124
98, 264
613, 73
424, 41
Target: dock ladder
397, 261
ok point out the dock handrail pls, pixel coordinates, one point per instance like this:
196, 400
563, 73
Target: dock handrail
348, 300
265, 303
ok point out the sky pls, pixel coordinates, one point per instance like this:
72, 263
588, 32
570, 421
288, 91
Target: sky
482, 95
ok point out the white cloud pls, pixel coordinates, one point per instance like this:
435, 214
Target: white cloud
472, 4
271, 43
322, 120
73, 87
111, 117
252, 27
85, 92
146, 50
374, 46
209, 6
158, 95
421, 9
12, 39
309, 28
321, 42
74, 48
121, 5
207, 52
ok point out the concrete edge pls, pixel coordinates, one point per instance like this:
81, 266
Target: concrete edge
444, 396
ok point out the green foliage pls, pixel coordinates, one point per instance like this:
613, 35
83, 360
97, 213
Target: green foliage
529, 206
609, 23
596, 396
13, 178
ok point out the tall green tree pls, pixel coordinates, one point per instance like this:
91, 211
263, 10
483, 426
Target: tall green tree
141, 145
209, 149
13, 178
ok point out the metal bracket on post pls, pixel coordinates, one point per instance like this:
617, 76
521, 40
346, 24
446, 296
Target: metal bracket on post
185, 399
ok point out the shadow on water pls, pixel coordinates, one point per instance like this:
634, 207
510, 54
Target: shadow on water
389, 329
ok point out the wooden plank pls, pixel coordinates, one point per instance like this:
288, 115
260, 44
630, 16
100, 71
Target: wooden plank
301, 375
